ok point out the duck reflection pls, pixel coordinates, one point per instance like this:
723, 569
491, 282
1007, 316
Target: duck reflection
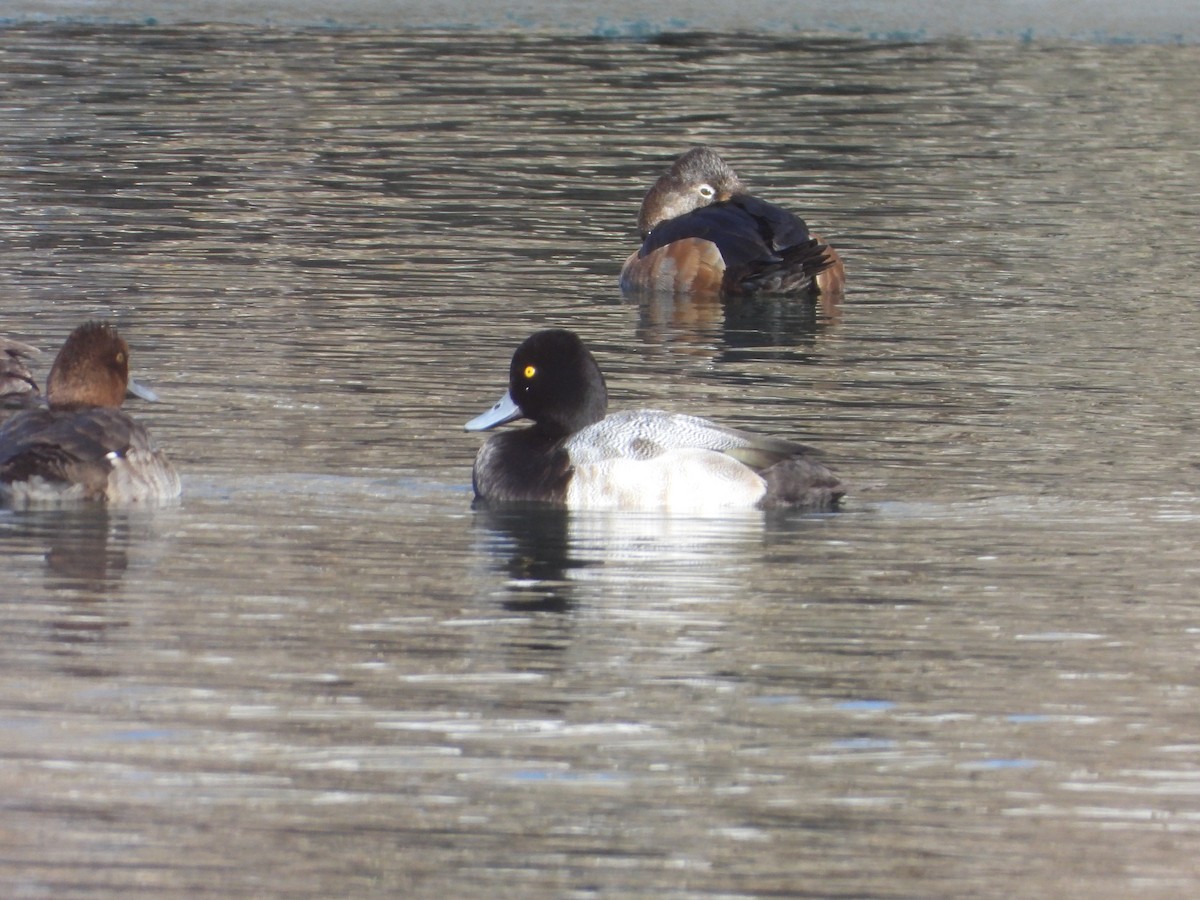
554, 559
533, 549
85, 552
698, 324
85, 545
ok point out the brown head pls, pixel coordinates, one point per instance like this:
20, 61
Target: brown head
696, 179
91, 369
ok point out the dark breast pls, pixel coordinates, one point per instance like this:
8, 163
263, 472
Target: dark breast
522, 466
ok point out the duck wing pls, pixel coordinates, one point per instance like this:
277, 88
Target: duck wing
647, 434
68, 447
763, 246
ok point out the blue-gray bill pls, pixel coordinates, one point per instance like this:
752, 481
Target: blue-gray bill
505, 410
140, 391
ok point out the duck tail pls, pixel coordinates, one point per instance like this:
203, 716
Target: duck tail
792, 270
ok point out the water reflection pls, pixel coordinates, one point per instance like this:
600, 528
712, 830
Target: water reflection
85, 546
85, 552
555, 560
725, 328
531, 549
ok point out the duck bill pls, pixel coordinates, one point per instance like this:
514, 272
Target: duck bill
505, 410
133, 389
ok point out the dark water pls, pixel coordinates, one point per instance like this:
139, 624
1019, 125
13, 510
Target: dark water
324, 675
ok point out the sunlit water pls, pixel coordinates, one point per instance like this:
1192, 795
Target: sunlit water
322, 674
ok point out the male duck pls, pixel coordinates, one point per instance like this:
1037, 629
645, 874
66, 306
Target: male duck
576, 456
702, 232
82, 446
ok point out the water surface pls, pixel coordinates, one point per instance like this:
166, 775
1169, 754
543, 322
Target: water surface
322, 674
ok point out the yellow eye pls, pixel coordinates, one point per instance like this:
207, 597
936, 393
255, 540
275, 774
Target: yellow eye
530, 371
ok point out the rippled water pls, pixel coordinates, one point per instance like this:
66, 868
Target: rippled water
324, 675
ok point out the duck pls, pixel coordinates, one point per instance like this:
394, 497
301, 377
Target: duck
18, 389
79, 444
578, 456
703, 232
